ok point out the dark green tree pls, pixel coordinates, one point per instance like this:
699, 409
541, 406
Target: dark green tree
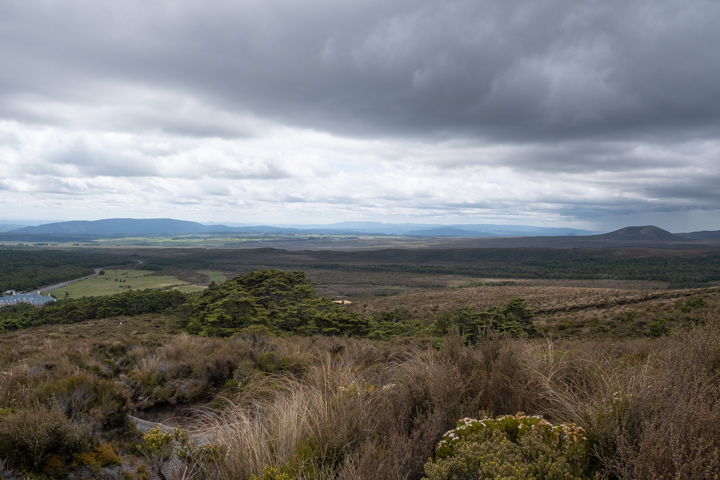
284, 302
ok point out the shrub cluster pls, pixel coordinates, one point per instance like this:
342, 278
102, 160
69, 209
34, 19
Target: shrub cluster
286, 303
42, 438
329, 408
283, 302
512, 446
514, 319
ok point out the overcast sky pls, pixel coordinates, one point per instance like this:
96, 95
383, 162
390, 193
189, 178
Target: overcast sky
583, 113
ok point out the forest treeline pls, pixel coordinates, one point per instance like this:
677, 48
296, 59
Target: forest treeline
24, 270
28, 269
678, 272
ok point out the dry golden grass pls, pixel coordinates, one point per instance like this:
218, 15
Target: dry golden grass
315, 417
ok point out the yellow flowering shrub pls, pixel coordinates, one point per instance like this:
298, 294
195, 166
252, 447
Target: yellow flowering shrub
271, 473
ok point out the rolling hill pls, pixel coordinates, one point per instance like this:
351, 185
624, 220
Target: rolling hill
644, 233
117, 226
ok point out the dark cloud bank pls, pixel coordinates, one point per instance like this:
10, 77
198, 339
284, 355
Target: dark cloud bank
624, 96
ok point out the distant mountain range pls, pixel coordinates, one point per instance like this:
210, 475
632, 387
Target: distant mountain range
132, 226
114, 226
704, 235
167, 226
448, 232
431, 230
487, 232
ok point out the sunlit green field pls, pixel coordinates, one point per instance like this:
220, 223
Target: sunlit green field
116, 281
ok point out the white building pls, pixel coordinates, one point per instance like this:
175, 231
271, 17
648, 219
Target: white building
34, 299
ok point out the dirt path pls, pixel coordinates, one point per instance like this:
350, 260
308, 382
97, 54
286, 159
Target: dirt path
145, 426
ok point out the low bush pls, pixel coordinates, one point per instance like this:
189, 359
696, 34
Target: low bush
35, 438
514, 319
271, 473
511, 446
83, 396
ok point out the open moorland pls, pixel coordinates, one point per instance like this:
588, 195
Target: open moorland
224, 364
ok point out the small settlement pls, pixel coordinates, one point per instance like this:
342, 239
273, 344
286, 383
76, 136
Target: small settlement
35, 299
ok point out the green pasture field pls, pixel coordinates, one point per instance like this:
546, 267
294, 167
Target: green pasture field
117, 281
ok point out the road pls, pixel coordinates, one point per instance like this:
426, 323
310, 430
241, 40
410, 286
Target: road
65, 284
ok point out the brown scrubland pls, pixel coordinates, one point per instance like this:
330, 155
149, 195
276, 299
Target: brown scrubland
344, 408
632, 365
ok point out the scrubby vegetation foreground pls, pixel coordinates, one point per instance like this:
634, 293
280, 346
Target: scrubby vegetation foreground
259, 403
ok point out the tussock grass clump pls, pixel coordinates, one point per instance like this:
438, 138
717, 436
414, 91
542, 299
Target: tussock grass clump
649, 408
351, 416
304, 425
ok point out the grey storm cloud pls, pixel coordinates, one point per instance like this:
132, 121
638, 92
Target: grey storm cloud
499, 69
566, 110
